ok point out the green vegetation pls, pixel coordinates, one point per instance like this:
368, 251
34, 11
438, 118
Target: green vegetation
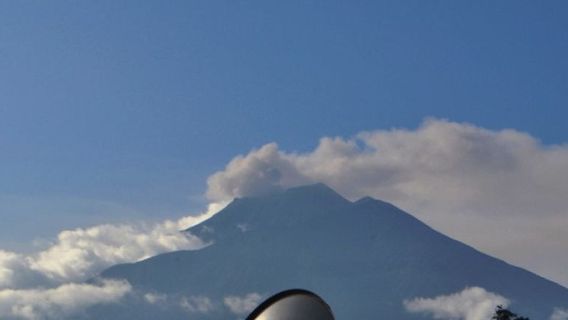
505, 314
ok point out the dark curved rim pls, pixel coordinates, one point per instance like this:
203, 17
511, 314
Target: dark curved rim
270, 301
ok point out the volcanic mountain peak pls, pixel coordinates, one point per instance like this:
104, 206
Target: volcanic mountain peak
365, 258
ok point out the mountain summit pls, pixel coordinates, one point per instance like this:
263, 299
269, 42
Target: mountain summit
364, 258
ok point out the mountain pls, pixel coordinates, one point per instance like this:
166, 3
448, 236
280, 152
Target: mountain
364, 258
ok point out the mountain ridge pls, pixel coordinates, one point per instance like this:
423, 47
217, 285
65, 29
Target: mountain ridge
312, 237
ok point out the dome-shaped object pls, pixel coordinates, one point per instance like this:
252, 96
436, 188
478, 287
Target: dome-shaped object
295, 304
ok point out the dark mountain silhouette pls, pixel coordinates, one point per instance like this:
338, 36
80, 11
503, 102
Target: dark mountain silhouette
364, 258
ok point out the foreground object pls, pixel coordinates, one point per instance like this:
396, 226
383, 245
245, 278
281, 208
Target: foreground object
295, 304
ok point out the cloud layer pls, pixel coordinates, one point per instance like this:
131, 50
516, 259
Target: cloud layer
470, 304
64, 300
200, 304
80, 254
501, 191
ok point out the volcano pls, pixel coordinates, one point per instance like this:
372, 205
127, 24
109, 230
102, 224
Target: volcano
364, 258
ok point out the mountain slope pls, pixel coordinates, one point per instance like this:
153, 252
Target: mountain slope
363, 257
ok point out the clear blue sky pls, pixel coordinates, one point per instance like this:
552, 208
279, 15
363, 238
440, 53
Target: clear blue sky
113, 110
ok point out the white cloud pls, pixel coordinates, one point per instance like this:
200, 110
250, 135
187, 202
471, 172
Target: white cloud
81, 253
243, 227
470, 304
242, 305
65, 300
42, 285
192, 220
15, 272
500, 191
155, 298
559, 314
191, 304
197, 304
9, 263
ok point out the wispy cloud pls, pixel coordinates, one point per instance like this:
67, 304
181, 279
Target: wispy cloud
469, 182
559, 314
202, 304
156, 298
197, 304
242, 305
470, 304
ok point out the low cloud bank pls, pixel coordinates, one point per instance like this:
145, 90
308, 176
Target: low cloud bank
82, 253
201, 304
501, 191
62, 301
195, 304
470, 304
43, 285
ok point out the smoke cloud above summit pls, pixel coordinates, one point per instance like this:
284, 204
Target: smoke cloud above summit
501, 191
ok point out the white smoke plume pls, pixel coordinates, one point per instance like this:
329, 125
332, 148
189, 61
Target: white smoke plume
500, 191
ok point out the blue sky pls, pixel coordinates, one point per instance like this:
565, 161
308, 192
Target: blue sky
113, 111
